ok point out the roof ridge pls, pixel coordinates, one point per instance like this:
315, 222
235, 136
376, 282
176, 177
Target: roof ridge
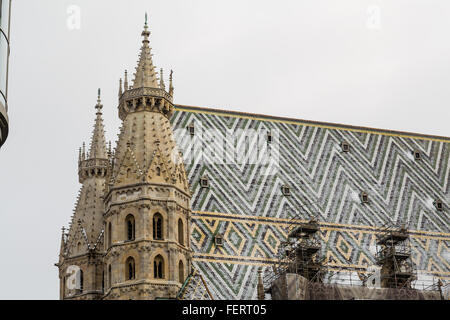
330, 125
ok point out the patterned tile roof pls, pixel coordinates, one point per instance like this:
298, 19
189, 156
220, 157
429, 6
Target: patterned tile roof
244, 201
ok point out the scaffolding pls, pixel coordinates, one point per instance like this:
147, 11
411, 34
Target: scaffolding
394, 257
303, 257
299, 271
299, 254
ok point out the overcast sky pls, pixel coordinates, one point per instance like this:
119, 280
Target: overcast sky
382, 64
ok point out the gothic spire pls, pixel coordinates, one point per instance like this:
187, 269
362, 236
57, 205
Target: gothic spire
98, 143
62, 247
145, 75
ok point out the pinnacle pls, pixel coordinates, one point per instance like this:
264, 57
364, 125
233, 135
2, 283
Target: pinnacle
98, 142
145, 75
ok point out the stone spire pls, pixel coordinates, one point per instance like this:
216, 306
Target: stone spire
98, 143
145, 75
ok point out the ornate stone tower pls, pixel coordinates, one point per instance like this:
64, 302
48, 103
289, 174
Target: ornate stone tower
81, 254
147, 201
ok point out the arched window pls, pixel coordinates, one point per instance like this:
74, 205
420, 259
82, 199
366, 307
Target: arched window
109, 276
80, 281
129, 227
130, 268
129, 173
158, 267
181, 271
180, 232
158, 171
78, 247
109, 234
157, 226
64, 286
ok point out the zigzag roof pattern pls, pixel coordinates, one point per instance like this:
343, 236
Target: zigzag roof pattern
245, 203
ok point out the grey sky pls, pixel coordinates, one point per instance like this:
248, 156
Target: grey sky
321, 60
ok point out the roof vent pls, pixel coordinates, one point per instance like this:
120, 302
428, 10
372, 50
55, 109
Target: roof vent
204, 182
417, 155
269, 137
345, 146
191, 129
286, 190
438, 204
218, 240
364, 197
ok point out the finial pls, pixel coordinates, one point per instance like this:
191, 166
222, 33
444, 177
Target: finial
125, 84
63, 242
99, 105
161, 81
171, 84
109, 153
145, 33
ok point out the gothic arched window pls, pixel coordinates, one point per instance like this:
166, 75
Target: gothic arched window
109, 234
130, 227
158, 171
158, 267
80, 280
157, 226
130, 268
64, 287
109, 276
181, 271
180, 232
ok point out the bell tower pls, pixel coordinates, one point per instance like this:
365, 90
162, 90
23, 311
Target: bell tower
147, 212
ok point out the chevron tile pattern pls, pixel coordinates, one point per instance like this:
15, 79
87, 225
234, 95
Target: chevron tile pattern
244, 201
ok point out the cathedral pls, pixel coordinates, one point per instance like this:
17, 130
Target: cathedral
195, 203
